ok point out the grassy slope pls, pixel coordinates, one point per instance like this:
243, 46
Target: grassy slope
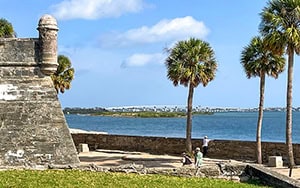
82, 179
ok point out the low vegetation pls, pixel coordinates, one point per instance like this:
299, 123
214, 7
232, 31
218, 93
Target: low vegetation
82, 179
83, 110
141, 114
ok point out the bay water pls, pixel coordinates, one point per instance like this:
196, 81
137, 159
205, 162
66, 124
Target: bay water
223, 126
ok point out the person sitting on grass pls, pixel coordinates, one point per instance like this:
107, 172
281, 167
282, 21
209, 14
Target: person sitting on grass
186, 160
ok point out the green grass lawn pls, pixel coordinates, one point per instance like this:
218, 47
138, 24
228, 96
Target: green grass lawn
82, 179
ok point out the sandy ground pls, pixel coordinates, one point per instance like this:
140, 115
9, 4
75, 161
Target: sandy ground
115, 158
109, 158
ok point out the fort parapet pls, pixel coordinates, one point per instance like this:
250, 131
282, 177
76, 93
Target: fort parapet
33, 128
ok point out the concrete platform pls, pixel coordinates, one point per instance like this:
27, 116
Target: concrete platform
113, 158
108, 158
285, 171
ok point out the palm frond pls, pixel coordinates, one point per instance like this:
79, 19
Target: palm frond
257, 57
191, 62
64, 75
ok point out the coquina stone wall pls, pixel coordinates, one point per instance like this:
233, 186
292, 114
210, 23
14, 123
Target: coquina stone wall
221, 149
33, 129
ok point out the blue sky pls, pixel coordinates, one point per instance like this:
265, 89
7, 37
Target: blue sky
117, 49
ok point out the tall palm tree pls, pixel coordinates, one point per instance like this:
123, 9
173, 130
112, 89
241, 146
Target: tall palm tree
6, 29
64, 74
190, 63
281, 27
258, 60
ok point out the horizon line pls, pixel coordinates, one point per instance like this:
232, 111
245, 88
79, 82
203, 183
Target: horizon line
173, 106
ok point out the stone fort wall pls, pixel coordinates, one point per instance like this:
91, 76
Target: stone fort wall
33, 129
220, 149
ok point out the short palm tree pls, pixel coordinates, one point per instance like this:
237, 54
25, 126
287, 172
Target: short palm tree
190, 63
64, 74
6, 29
258, 60
281, 27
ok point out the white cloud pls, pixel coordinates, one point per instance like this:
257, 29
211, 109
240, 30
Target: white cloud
165, 30
140, 60
93, 9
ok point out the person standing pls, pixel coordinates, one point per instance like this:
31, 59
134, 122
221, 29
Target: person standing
205, 145
198, 157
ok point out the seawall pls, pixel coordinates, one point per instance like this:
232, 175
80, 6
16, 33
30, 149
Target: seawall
221, 149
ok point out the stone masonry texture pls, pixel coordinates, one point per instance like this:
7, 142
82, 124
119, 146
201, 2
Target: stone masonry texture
33, 128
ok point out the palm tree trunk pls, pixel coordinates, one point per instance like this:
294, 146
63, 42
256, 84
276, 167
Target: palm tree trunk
260, 117
289, 108
189, 119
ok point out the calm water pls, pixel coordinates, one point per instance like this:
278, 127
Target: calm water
228, 126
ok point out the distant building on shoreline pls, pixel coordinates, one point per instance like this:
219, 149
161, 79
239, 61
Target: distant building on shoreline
170, 108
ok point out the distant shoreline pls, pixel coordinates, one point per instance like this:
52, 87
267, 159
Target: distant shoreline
147, 114
171, 109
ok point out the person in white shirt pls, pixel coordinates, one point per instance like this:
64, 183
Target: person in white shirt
205, 145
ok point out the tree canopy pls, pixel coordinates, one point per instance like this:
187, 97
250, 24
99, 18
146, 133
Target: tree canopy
191, 62
258, 59
6, 29
64, 74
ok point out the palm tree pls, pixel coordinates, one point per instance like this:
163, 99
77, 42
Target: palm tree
64, 74
190, 63
258, 60
281, 27
6, 29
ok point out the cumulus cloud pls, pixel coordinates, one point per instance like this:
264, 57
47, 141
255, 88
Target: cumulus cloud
93, 9
140, 60
165, 30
